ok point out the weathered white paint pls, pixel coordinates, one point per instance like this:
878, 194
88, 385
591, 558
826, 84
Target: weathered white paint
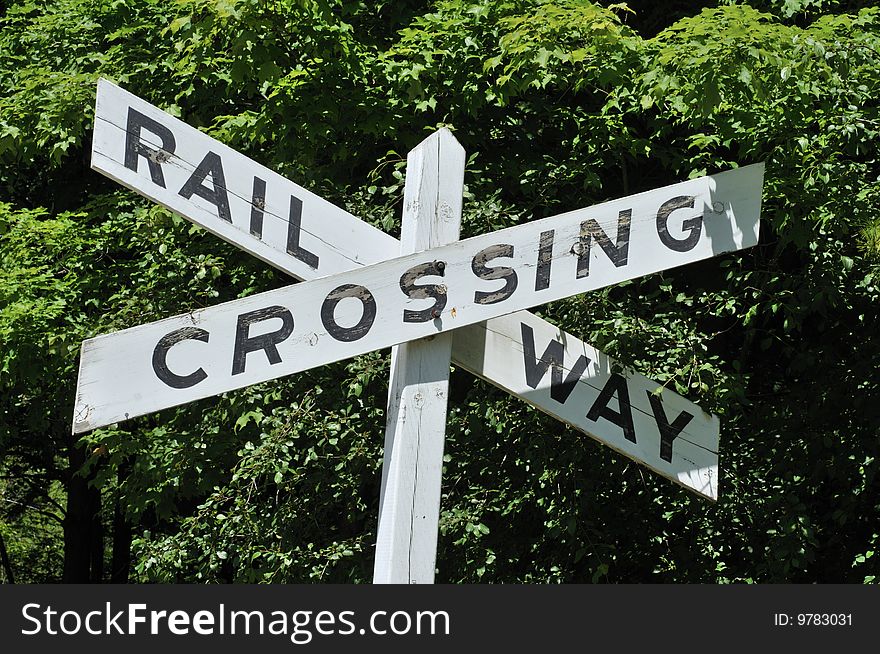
117, 378
335, 229
692, 460
338, 239
409, 507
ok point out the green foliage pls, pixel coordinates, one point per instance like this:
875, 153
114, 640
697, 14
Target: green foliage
559, 104
288, 512
30, 528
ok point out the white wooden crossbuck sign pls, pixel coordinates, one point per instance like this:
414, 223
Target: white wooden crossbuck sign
430, 296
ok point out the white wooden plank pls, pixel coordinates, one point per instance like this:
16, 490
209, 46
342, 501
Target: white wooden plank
329, 237
498, 349
118, 379
409, 507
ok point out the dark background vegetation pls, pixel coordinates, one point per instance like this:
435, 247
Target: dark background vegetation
559, 105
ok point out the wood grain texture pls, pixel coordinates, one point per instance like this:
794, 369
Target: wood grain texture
125, 356
499, 350
409, 508
339, 240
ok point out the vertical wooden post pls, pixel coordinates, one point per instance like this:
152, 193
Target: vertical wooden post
406, 542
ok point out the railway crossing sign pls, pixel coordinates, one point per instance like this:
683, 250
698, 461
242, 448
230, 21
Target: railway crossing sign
363, 292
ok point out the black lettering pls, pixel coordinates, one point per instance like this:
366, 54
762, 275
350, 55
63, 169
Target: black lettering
545, 259
244, 343
618, 252
421, 292
135, 148
216, 195
554, 355
360, 330
258, 205
668, 433
623, 418
294, 227
160, 356
694, 224
479, 268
